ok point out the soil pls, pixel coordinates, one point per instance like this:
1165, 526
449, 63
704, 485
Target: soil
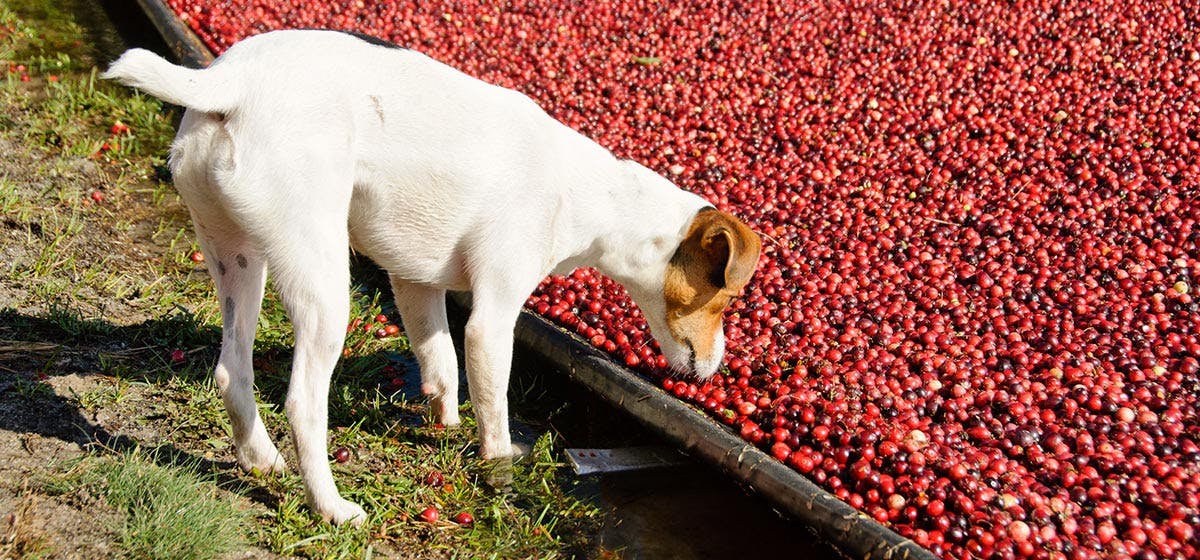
46, 369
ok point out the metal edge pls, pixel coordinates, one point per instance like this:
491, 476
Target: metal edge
848, 529
187, 47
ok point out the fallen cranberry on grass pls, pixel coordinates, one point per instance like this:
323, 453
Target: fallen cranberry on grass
434, 479
341, 455
177, 356
429, 515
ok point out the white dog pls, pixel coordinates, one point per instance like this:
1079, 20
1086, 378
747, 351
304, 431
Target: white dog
298, 144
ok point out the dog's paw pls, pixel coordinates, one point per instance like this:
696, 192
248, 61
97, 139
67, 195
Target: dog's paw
343, 511
489, 450
269, 461
445, 411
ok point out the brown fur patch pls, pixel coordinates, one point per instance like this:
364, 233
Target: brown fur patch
711, 266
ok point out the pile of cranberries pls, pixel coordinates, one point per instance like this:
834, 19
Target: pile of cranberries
975, 316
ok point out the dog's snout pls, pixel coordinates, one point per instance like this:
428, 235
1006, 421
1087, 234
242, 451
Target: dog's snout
687, 357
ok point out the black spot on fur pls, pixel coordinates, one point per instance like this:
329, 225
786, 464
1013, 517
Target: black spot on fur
241, 259
372, 40
221, 267
229, 309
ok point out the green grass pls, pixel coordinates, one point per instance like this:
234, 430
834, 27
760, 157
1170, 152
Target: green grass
169, 511
108, 288
58, 121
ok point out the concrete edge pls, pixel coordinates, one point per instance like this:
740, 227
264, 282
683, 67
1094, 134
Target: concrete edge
186, 46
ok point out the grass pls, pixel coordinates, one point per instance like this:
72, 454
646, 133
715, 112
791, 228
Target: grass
20, 536
170, 512
102, 287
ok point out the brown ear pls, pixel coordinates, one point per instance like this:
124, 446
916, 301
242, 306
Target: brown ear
730, 247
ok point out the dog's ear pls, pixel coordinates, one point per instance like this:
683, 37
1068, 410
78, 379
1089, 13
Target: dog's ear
729, 247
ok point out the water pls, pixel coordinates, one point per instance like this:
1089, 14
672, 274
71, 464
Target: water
680, 512
692, 512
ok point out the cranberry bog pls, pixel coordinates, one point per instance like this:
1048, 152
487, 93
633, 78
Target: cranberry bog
973, 321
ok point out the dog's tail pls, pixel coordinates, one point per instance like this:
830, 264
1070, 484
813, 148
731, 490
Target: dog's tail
202, 90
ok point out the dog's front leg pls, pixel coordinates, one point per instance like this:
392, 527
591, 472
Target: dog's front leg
489, 347
423, 312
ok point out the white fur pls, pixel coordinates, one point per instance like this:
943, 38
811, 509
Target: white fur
297, 144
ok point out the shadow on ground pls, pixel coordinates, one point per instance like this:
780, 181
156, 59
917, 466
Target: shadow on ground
48, 364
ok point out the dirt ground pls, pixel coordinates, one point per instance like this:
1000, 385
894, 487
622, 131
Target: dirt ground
56, 403
47, 372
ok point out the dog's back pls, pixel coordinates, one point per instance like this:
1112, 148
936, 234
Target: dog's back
323, 80
422, 141
297, 144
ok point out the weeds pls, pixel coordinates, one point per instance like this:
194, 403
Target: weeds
171, 510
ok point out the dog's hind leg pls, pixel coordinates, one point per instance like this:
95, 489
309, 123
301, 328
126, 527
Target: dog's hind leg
423, 312
239, 273
308, 252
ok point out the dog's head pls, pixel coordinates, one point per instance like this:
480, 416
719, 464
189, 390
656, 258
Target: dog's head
708, 270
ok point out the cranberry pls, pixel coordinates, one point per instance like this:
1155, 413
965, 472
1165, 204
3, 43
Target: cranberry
178, 356
976, 299
341, 455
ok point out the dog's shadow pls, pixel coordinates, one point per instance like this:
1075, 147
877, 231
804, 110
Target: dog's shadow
90, 357
35, 350
60, 374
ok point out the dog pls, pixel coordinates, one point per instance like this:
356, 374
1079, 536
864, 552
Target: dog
298, 146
